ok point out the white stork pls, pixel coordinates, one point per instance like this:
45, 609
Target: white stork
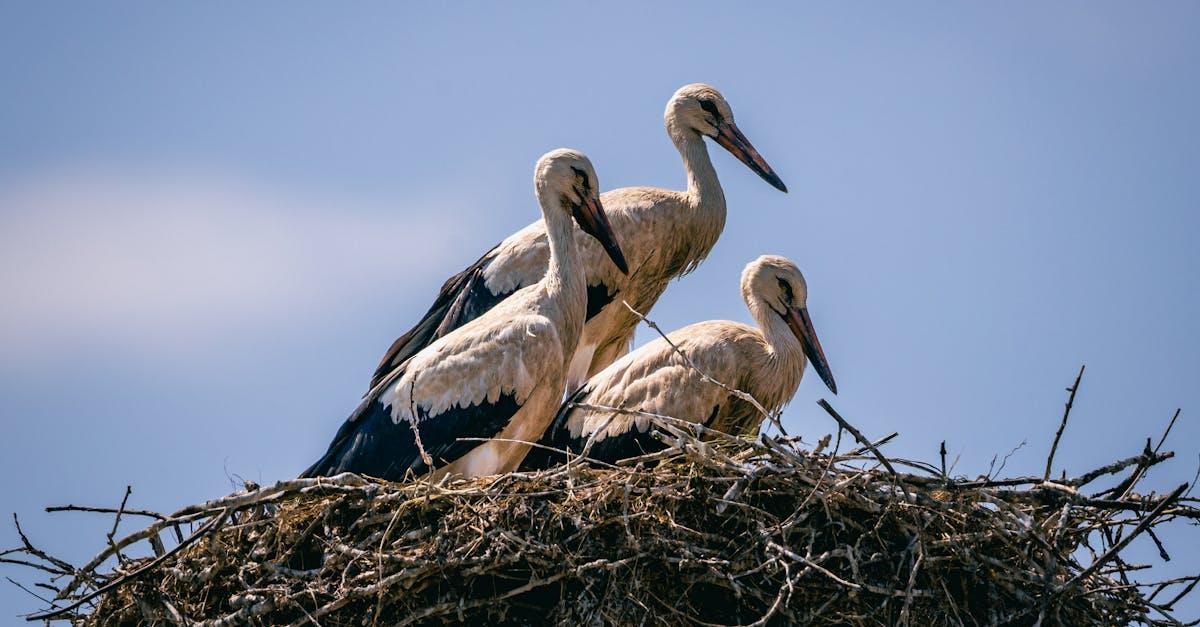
499, 376
665, 234
765, 362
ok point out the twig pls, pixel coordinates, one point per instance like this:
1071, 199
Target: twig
141, 570
105, 510
1063, 425
858, 436
877, 443
1125, 487
691, 364
1116, 548
30, 592
117, 523
413, 422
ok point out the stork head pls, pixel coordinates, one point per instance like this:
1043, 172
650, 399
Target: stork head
701, 109
773, 287
565, 178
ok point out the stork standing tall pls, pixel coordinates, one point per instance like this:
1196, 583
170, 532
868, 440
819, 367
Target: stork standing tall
665, 234
765, 362
499, 376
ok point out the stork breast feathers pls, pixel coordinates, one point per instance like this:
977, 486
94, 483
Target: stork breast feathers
510, 356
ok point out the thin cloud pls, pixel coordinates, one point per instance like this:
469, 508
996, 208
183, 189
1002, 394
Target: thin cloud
181, 259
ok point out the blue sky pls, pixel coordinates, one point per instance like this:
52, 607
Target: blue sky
215, 218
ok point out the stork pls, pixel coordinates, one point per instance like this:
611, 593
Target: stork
614, 408
665, 234
499, 376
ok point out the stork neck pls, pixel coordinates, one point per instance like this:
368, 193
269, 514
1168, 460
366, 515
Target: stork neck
785, 360
565, 270
565, 284
703, 185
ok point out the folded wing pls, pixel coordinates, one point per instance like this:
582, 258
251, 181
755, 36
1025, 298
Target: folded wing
441, 404
614, 411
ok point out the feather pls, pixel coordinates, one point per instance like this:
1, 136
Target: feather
462, 298
372, 443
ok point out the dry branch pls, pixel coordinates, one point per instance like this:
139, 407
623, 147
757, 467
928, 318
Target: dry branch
1063, 425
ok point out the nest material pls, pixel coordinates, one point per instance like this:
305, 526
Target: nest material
728, 531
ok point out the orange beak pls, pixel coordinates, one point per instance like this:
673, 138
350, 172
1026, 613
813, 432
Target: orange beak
732, 139
591, 218
802, 327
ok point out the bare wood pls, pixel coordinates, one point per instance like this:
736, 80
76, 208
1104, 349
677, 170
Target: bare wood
1113, 551
105, 510
877, 443
857, 436
1063, 425
117, 523
1125, 487
141, 570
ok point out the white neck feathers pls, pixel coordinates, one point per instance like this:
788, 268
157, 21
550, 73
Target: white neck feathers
703, 186
564, 284
778, 375
565, 266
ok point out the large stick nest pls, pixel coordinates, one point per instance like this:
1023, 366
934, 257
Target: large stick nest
717, 531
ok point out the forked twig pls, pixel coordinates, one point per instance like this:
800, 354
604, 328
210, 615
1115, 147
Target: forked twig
858, 436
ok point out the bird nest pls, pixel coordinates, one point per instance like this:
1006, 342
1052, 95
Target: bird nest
712, 530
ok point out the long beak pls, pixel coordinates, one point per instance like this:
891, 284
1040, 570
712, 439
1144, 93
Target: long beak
731, 139
591, 218
802, 326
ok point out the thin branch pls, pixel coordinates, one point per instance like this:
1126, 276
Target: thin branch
105, 510
117, 523
691, 364
1063, 425
1116, 548
141, 570
857, 436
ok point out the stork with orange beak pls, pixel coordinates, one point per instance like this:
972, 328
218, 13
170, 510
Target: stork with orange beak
614, 410
464, 404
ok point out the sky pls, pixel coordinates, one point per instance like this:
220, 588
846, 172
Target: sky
215, 217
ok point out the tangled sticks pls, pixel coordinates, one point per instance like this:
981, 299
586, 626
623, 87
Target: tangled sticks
715, 529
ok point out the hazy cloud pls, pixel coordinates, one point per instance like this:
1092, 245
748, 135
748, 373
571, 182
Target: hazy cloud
102, 257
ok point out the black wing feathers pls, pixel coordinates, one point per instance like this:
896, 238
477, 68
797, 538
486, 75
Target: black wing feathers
611, 449
463, 298
369, 443
598, 297
556, 436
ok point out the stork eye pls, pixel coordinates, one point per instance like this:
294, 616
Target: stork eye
582, 178
786, 288
710, 108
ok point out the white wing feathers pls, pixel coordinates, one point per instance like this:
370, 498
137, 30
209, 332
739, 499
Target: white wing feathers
507, 356
657, 380
520, 260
